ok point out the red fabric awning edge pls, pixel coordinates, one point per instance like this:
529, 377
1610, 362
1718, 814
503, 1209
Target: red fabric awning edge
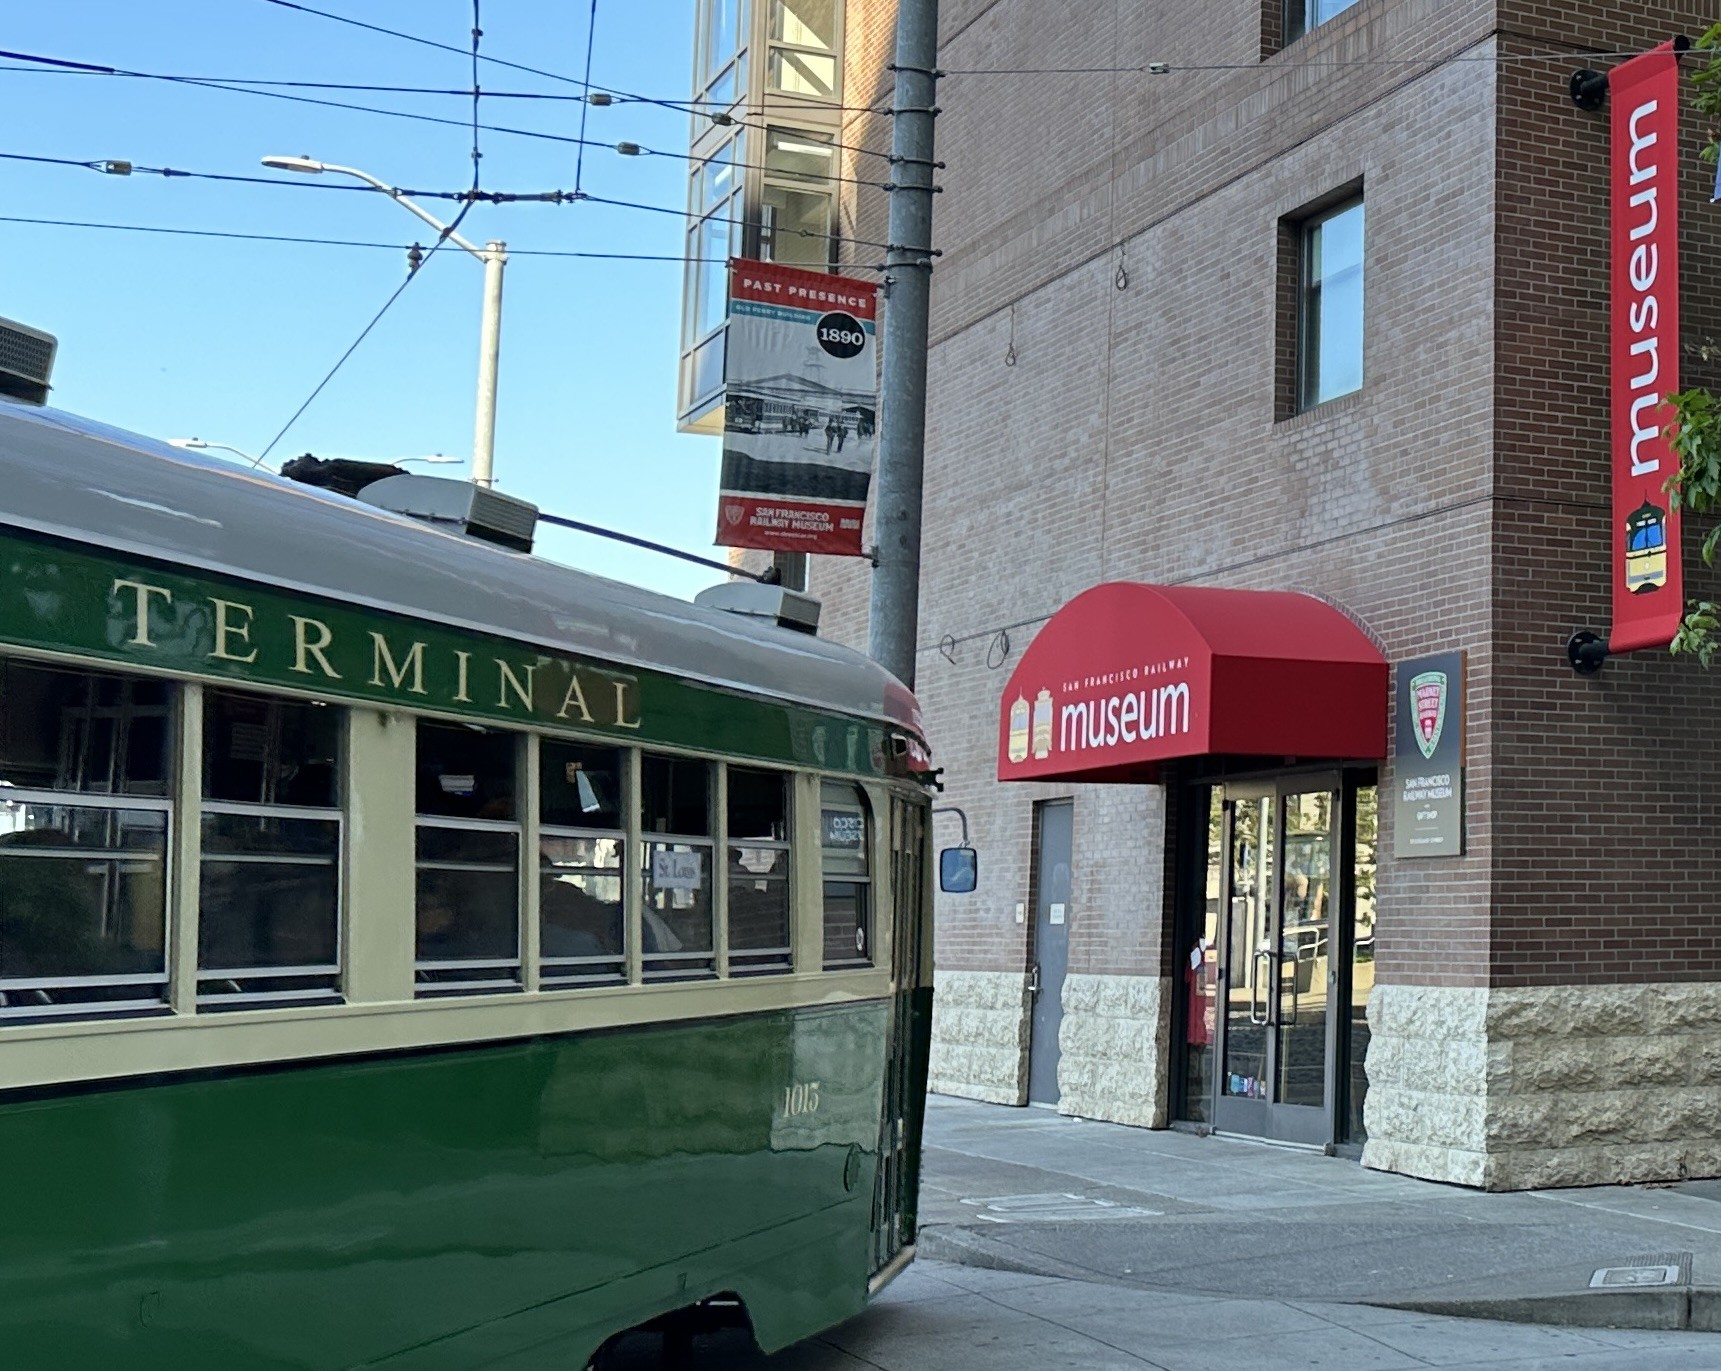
1127, 676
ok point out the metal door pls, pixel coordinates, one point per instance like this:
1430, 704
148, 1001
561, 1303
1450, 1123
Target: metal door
1280, 948
1051, 950
897, 1187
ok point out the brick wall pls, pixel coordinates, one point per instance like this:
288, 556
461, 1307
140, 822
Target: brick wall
1136, 435
1459, 501
1605, 786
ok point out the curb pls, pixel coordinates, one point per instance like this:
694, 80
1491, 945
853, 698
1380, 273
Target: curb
963, 1247
1667, 1309
1696, 1310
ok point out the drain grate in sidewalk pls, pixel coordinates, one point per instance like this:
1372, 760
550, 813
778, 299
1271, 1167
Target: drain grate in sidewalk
1653, 1269
1053, 1208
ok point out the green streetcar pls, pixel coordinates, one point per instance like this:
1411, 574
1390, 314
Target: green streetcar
415, 954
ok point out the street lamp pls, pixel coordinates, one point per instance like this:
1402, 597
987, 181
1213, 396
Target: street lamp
494, 255
198, 445
436, 460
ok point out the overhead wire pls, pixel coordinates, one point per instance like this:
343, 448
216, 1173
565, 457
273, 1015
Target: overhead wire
466, 197
597, 530
1172, 68
49, 67
235, 235
206, 84
586, 104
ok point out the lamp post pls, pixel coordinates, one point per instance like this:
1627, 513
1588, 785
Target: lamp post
494, 256
198, 445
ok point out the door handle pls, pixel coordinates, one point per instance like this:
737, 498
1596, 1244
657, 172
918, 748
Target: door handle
1256, 999
1034, 979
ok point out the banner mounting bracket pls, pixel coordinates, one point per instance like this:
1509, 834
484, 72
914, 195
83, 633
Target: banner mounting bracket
1586, 652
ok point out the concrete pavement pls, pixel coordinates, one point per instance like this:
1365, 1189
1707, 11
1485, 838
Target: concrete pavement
1050, 1243
1034, 1191
944, 1317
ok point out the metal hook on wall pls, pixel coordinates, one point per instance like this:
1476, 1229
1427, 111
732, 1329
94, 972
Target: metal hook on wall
1010, 352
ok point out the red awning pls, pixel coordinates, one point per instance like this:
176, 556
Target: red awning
1126, 676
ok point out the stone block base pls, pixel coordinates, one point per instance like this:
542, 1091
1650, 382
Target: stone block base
980, 1035
1115, 1049
1546, 1086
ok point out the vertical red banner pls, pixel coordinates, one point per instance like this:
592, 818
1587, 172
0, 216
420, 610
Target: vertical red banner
1648, 587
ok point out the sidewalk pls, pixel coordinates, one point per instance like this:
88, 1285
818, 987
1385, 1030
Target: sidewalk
1052, 1244
1032, 1191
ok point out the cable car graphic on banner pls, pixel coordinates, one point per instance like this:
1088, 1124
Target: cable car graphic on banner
1645, 549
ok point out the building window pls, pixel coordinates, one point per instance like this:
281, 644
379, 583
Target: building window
773, 198
715, 213
803, 52
1330, 305
582, 912
468, 888
84, 766
798, 205
675, 816
268, 924
720, 61
845, 832
1303, 15
758, 872
715, 205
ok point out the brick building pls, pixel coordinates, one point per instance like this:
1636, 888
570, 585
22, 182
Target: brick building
1322, 309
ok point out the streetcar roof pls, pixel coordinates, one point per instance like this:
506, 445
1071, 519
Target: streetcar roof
73, 478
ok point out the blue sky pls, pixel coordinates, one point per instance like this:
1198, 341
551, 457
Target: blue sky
222, 340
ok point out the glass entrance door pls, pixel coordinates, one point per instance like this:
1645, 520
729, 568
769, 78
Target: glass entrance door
1276, 969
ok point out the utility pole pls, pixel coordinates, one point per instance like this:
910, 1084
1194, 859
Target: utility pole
894, 619
495, 257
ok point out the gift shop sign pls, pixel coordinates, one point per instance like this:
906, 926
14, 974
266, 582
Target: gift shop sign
1428, 757
1648, 591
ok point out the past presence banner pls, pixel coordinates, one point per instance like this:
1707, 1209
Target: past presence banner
801, 409
1648, 590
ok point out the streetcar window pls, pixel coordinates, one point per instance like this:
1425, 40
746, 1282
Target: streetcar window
845, 831
83, 842
582, 917
269, 902
675, 795
758, 872
676, 920
468, 858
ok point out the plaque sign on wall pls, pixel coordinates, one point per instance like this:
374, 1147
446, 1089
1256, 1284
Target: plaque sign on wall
1428, 757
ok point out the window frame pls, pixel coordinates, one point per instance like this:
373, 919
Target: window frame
700, 964
835, 54
1308, 309
334, 991
1298, 22
516, 827
785, 963
166, 803
866, 882
549, 978
762, 239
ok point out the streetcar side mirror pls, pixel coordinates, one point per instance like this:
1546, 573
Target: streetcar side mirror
958, 870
